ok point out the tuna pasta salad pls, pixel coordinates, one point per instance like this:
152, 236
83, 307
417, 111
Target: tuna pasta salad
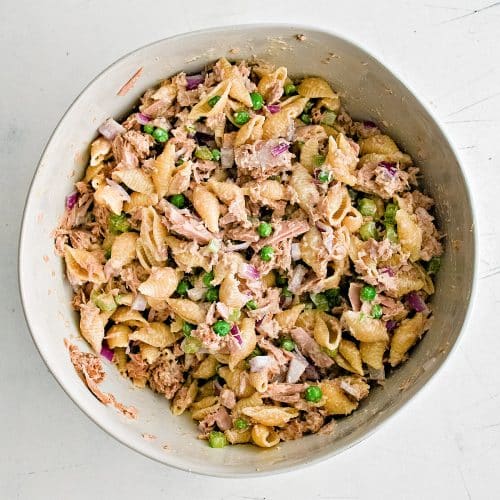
243, 247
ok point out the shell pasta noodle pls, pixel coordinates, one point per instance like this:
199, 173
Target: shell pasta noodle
246, 249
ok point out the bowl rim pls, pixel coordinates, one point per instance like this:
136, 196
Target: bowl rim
320, 457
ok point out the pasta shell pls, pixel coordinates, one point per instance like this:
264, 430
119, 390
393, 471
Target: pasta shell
161, 284
123, 249
184, 398
149, 353
99, 150
303, 184
372, 353
287, 318
135, 179
181, 179
349, 357
409, 234
118, 336
203, 108
364, 328
315, 87
264, 436
188, 310
270, 82
379, 144
207, 206
248, 343
128, 317
308, 152
163, 170
327, 332
309, 245
336, 400
270, 415
92, 323
155, 334
83, 266
250, 132
405, 336
207, 368
139, 200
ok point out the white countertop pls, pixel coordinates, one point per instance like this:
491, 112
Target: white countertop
446, 442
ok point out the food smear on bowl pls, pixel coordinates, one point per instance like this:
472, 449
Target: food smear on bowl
242, 246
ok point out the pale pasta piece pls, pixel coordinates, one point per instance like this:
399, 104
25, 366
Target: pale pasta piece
108, 196
303, 184
203, 108
186, 254
184, 398
123, 252
364, 328
120, 359
379, 144
138, 201
238, 381
286, 319
271, 82
163, 169
336, 205
342, 158
135, 179
271, 416
188, 310
352, 220
409, 234
308, 154
259, 380
83, 266
348, 357
93, 172
237, 436
314, 87
336, 400
149, 353
155, 334
92, 322
405, 336
327, 332
250, 132
129, 317
264, 436
118, 336
248, 343
181, 179
406, 281
201, 413
230, 294
307, 320
372, 353
251, 400
279, 124
207, 368
207, 205
151, 246
99, 150
161, 283
310, 244
238, 90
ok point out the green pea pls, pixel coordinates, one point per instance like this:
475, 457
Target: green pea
390, 213
178, 200
241, 117
240, 424
221, 328
208, 278
183, 287
305, 118
187, 328
264, 229
367, 207
376, 311
391, 233
288, 344
257, 101
203, 153
267, 253
333, 297
320, 301
148, 128
215, 154
313, 394
434, 265
160, 134
105, 302
324, 176
318, 160
212, 294
179, 162
331, 352
255, 352
107, 254
191, 345
309, 105
252, 305
368, 230
290, 89
281, 280
368, 293
217, 439
118, 223
213, 100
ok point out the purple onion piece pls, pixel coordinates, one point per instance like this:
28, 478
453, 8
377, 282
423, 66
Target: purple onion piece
193, 81
280, 148
391, 325
235, 332
415, 302
273, 108
143, 119
390, 167
389, 271
71, 200
249, 272
106, 352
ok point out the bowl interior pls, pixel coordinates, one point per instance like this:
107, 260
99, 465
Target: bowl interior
369, 91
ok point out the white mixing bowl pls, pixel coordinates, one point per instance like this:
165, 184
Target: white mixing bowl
369, 91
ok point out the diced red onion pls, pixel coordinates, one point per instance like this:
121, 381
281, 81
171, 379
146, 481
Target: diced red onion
295, 370
259, 363
391, 325
273, 108
71, 200
249, 272
390, 167
280, 148
235, 332
415, 302
295, 251
226, 157
143, 119
118, 189
192, 81
389, 271
139, 303
106, 352
369, 124
110, 129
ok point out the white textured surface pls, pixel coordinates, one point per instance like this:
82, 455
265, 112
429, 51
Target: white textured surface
444, 444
